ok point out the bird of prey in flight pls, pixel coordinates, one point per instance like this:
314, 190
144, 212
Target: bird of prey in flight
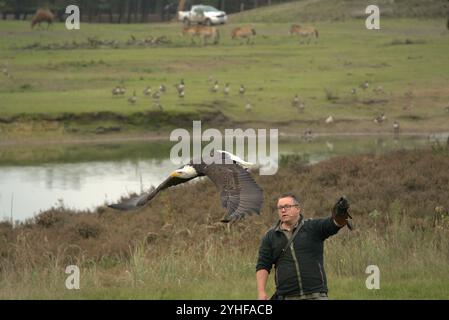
240, 195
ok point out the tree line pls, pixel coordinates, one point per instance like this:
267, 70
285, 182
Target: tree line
121, 11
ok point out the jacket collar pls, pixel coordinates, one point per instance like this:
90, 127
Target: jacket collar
277, 227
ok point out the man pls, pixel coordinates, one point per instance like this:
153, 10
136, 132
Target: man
299, 269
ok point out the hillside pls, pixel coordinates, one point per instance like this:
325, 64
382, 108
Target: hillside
325, 10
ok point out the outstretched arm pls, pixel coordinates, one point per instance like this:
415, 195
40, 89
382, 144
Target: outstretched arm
326, 227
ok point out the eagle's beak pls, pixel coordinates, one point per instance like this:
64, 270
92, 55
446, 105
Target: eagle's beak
174, 174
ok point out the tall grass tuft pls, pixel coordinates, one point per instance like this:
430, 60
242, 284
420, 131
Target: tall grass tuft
175, 248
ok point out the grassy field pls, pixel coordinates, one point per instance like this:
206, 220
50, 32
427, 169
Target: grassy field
59, 84
328, 10
175, 249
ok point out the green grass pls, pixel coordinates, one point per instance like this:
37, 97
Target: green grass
335, 10
75, 153
273, 69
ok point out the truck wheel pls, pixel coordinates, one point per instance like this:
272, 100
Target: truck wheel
208, 22
186, 22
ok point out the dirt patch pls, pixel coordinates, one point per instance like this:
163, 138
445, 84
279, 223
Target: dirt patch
406, 41
154, 119
94, 43
374, 101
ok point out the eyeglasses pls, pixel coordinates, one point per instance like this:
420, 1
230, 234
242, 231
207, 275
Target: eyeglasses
287, 207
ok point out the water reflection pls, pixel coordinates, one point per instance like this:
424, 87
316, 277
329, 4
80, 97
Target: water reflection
78, 186
90, 178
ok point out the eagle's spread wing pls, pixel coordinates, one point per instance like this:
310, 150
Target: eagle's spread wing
143, 199
240, 194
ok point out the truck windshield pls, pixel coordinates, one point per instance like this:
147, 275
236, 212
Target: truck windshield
208, 9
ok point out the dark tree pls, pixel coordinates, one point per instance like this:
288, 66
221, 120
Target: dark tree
145, 10
129, 11
121, 10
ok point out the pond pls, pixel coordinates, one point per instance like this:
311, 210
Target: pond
36, 178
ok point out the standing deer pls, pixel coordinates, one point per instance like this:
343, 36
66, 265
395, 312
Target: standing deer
304, 32
243, 33
42, 15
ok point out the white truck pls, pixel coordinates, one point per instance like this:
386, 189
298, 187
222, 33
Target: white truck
202, 14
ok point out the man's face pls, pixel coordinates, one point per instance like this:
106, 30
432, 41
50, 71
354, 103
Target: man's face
290, 215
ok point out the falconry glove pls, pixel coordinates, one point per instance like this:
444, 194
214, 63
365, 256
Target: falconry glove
340, 213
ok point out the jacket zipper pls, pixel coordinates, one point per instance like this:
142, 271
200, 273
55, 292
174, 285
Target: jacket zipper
298, 274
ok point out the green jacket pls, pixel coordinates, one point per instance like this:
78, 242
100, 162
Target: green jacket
300, 270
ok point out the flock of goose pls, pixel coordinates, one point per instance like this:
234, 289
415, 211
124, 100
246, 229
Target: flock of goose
296, 102
156, 94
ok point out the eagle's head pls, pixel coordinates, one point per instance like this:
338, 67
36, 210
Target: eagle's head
185, 172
